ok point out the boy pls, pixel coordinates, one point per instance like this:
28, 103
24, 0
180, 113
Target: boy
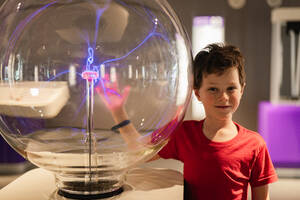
220, 156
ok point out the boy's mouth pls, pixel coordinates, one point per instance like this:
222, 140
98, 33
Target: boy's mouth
223, 107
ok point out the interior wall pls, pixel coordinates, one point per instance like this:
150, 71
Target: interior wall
249, 28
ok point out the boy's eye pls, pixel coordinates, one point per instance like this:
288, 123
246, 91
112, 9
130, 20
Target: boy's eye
231, 88
213, 89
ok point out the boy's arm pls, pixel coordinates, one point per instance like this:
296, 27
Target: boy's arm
262, 174
114, 100
128, 132
260, 192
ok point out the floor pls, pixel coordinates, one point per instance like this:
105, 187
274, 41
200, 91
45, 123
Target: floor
287, 188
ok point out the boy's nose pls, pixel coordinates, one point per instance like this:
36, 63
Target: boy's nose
223, 96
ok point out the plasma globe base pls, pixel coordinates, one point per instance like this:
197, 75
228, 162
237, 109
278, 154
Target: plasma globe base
90, 196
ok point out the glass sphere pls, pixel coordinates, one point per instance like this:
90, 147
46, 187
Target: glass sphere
71, 70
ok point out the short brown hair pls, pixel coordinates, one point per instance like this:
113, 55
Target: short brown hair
216, 58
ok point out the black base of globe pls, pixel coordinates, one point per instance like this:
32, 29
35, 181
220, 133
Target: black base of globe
90, 196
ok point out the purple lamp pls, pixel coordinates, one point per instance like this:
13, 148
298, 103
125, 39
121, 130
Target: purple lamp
279, 124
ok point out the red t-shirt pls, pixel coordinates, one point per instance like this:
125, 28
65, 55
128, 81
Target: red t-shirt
219, 170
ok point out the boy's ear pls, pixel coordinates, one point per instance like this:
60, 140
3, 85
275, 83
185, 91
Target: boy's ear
197, 94
243, 87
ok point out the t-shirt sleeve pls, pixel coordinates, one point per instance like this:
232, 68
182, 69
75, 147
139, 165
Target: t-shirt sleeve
263, 171
170, 149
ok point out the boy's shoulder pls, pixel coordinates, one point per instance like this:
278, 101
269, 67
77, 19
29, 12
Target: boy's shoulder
192, 124
245, 133
251, 135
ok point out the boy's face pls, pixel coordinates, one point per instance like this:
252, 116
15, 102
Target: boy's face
220, 94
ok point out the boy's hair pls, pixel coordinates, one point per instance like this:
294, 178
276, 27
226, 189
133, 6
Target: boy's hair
216, 58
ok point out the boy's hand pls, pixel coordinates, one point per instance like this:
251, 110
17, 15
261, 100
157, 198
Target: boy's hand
110, 93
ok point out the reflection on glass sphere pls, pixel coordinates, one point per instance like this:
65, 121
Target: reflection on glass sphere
65, 64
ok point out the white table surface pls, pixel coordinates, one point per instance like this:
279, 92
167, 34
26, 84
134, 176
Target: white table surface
141, 183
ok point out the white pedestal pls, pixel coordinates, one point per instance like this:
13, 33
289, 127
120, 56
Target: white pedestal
146, 184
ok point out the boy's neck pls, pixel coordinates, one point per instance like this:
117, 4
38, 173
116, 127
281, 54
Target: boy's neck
219, 130
218, 123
